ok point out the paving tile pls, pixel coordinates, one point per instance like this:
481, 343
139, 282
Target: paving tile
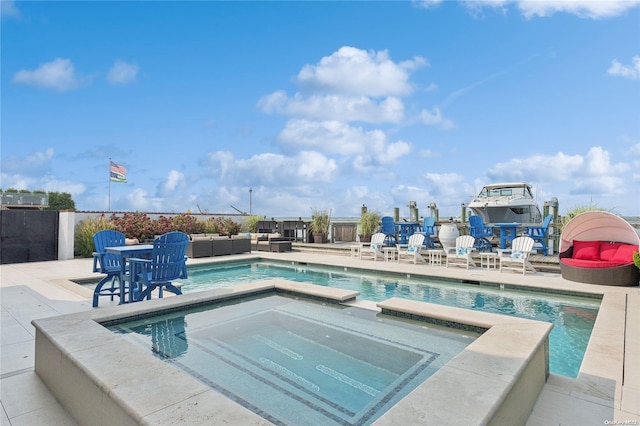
51, 415
17, 356
557, 408
13, 333
19, 301
4, 420
23, 393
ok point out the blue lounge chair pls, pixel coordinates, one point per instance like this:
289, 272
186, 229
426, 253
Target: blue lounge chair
481, 233
539, 234
428, 230
390, 230
107, 263
167, 263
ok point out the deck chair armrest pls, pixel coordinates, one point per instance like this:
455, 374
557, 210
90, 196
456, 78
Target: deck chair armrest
97, 261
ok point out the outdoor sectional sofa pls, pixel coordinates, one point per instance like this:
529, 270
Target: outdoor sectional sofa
272, 242
202, 245
597, 247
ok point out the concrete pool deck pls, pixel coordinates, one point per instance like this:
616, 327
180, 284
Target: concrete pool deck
607, 390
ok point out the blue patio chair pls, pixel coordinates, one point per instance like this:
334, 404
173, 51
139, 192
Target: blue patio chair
428, 230
107, 263
389, 230
539, 234
168, 263
481, 233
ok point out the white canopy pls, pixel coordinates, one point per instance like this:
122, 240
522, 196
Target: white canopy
598, 226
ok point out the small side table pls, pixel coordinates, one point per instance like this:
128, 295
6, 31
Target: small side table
488, 260
355, 251
435, 256
389, 253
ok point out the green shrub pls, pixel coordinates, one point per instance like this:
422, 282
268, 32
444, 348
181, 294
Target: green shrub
250, 224
163, 225
636, 259
134, 225
369, 221
228, 226
83, 244
575, 211
187, 224
211, 226
320, 221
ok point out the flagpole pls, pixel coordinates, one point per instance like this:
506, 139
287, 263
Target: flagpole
109, 184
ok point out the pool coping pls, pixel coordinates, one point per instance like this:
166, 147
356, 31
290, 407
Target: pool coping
100, 378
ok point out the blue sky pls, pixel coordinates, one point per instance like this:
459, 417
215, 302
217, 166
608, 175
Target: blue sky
326, 105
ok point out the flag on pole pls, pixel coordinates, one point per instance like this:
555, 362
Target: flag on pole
118, 173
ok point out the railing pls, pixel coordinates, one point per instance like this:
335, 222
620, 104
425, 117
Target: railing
25, 200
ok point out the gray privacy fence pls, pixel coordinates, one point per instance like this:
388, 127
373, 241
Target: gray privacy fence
28, 235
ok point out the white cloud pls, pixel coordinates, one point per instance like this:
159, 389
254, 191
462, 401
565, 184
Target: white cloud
139, 200
356, 72
54, 185
598, 163
435, 118
122, 73
335, 137
271, 169
427, 4
635, 150
594, 9
592, 173
37, 163
428, 153
334, 107
58, 74
175, 180
627, 71
537, 168
8, 8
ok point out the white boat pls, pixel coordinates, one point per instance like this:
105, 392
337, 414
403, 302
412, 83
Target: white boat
506, 202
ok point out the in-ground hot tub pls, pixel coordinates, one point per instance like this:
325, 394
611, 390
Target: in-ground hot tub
100, 377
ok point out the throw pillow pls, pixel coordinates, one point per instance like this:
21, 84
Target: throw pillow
608, 250
462, 251
411, 249
517, 254
624, 254
374, 246
586, 250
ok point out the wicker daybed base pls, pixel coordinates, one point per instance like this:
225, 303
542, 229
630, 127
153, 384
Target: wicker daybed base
623, 276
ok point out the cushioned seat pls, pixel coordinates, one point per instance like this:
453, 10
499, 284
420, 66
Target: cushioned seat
582, 263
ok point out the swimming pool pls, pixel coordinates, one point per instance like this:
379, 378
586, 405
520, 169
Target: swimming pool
300, 362
573, 317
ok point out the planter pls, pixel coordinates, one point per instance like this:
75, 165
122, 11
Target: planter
365, 238
448, 234
318, 238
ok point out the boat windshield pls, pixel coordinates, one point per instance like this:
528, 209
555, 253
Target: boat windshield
505, 192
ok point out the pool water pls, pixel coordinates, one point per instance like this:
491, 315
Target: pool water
573, 317
300, 362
